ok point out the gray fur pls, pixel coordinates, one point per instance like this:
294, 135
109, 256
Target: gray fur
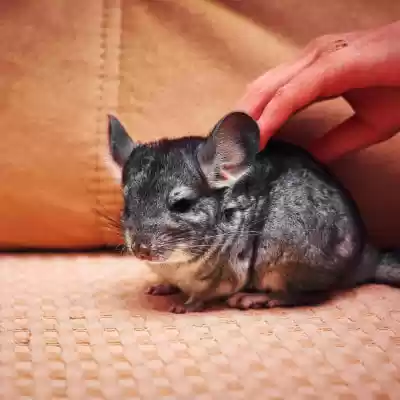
221, 219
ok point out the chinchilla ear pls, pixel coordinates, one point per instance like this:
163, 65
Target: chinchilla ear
229, 150
121, 144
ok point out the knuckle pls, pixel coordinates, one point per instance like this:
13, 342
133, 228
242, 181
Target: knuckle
281, 92
283, 99
328, 44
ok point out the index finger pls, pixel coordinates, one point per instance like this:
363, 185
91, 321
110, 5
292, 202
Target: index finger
260, 92
298, 93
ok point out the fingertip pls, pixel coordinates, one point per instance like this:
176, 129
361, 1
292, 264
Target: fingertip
271, 120
288, 100
265, 135
263, 141
351, 135
247, 106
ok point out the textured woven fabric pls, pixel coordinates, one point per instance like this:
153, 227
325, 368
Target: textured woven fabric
81, 327
166, 68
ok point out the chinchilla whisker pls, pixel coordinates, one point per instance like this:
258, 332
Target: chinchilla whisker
122, 249
229, 235
210, 239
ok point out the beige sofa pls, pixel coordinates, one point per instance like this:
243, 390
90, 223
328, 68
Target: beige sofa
78, 326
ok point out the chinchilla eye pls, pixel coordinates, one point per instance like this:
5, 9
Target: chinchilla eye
181, 200
181, 205
228, 213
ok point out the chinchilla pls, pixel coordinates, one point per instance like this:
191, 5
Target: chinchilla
216, 218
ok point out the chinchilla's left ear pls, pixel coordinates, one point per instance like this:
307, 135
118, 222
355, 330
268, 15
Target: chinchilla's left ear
120, 143
229, 150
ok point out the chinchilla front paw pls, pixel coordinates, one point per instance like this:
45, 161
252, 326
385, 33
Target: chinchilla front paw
163, 289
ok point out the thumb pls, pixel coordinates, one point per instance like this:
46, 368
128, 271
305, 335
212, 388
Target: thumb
376, 119
351, 135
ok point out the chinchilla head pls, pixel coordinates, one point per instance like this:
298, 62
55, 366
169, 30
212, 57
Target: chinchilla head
177, 206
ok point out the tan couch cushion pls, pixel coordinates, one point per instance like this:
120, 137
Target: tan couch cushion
166, 68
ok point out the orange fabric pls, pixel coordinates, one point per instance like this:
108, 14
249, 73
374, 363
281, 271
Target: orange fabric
57, 80
166, 68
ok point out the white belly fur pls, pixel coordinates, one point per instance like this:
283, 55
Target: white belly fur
185, 275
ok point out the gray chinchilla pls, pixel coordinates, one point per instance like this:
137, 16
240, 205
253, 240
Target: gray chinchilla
216, 218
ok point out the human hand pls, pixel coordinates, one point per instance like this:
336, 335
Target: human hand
363, 67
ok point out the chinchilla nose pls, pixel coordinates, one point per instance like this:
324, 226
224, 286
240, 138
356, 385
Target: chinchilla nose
142, 250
